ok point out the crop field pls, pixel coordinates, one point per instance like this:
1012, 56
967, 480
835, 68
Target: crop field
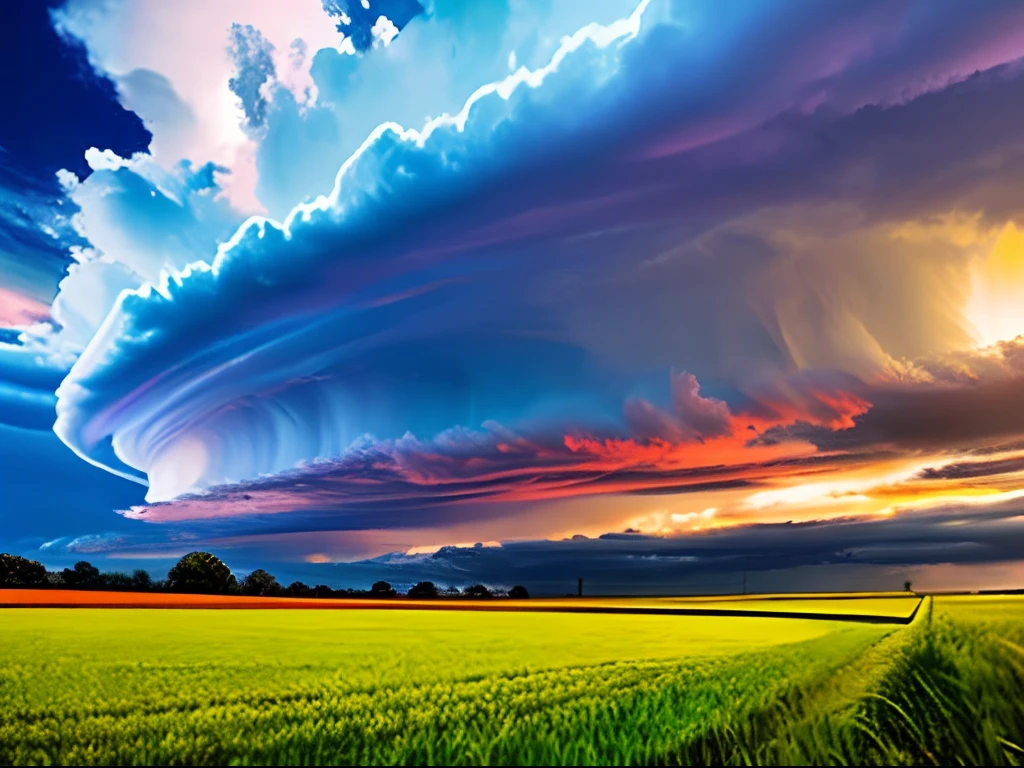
103, 686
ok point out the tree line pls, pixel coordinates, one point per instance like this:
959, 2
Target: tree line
200, 573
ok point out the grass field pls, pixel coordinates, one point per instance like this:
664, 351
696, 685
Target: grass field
365, 686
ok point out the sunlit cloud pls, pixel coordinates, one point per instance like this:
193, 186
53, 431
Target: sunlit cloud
996, 308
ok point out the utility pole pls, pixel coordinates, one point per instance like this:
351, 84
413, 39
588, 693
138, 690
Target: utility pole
744, 582
579, 587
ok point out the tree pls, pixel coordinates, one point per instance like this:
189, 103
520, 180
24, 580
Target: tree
259, 583
518, 593
141, 580
201, 573
382, 589
322, 591
21, 572
423, 591
116, 581
477, 591
298, 589
907, 586
84, 575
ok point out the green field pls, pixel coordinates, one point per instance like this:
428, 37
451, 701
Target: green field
199, 687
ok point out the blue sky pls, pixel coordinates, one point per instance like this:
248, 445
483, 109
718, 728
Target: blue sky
348, 289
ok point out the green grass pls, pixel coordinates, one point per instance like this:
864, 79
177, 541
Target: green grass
328, 687
949, 690
957, 692
91, 656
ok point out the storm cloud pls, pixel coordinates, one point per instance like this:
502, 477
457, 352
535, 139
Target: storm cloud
716, 265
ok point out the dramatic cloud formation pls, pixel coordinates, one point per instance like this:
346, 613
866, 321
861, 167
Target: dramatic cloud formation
973, 549
785, 289
859, 553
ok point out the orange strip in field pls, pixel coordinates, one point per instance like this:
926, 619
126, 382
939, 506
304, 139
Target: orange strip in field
68, 598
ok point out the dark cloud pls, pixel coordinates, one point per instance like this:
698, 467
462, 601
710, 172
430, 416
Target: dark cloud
855, 554
950, 417
981, 402
635, 563
971, 469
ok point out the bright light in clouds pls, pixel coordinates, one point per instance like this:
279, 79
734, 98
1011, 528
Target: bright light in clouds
997, 307
707, 514
839, 491
978, 499
661, 522
842, 495
429, 549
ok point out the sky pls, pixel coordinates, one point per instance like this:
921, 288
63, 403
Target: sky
665, 295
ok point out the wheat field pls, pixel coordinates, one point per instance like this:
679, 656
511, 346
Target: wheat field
100, 687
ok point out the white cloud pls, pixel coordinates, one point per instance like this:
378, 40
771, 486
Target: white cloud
67, 180
125, 38
104, 160
383, 31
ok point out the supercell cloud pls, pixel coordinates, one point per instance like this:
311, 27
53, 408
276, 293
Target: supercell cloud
764, 256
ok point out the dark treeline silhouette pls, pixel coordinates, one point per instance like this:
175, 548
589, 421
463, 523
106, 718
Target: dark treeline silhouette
200, 573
